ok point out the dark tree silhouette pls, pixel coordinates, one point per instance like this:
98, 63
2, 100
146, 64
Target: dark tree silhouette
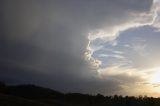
48, 96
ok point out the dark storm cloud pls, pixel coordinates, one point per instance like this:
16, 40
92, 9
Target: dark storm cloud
44, 41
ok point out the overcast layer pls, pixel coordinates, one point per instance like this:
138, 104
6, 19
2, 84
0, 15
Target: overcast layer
88, 46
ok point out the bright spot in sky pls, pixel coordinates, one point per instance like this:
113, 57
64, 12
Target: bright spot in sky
155, 78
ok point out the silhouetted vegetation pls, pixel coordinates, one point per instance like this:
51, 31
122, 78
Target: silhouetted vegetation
31, 95
2, 84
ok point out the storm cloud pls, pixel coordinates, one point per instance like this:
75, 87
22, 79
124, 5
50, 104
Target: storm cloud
44, 41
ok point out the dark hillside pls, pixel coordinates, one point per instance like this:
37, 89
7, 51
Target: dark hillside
8, 100
31, 95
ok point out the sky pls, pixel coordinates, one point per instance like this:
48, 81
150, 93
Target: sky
87, 46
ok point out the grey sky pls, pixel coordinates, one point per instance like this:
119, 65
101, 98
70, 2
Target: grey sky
44, 41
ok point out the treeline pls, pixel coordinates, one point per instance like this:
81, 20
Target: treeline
55, 98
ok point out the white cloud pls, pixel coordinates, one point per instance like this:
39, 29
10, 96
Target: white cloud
118, 52
141, 82
110, 32
126, 66
156, 7
114, 56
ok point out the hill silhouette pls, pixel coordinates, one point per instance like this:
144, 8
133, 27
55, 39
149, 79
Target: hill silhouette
31, 95
8, 100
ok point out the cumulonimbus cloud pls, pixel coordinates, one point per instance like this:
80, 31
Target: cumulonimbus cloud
48, 40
